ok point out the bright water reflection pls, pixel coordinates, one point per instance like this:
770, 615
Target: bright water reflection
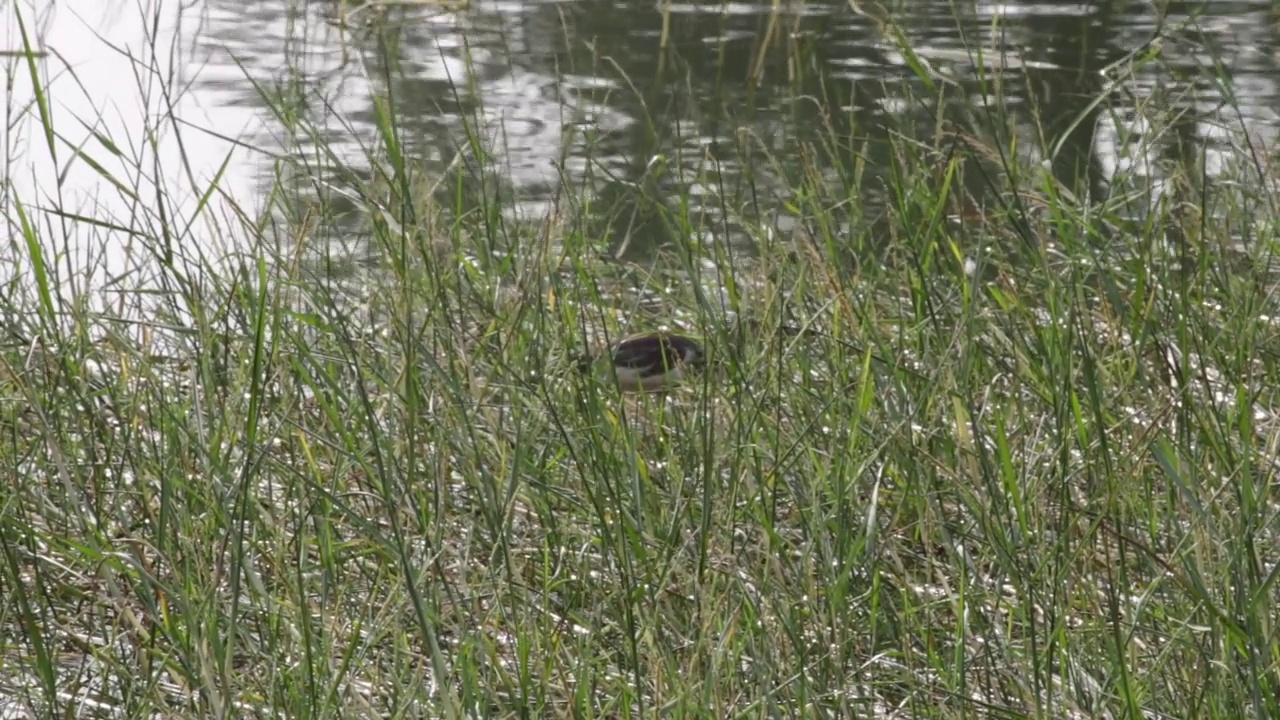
578, 95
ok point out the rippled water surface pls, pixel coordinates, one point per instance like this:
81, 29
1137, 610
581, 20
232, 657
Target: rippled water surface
613, 100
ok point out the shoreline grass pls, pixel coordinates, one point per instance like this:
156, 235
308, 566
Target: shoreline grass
1020, 464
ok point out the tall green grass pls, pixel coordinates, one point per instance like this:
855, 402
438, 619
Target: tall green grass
1019, 465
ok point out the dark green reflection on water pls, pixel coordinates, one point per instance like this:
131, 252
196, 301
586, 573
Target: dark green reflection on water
738, 105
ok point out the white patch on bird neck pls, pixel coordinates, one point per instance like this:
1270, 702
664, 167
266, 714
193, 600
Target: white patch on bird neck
633, 379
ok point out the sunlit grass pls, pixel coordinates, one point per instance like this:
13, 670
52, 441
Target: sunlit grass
1019, 461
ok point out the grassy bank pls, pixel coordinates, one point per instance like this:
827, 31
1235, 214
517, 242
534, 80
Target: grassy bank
1019, 463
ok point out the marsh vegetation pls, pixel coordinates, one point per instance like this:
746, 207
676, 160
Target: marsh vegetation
1019, 463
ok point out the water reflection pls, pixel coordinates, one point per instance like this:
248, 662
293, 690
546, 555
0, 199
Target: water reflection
116, 167
629, 104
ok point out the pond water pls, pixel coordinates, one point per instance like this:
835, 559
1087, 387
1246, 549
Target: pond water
631, 103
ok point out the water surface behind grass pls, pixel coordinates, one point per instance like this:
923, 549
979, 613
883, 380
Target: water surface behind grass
982, 435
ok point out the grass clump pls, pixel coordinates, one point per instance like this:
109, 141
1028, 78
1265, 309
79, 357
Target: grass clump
1018, 460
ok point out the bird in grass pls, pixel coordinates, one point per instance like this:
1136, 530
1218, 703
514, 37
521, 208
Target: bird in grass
652, 361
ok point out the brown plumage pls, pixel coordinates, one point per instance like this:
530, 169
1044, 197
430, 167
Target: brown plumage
653, 361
